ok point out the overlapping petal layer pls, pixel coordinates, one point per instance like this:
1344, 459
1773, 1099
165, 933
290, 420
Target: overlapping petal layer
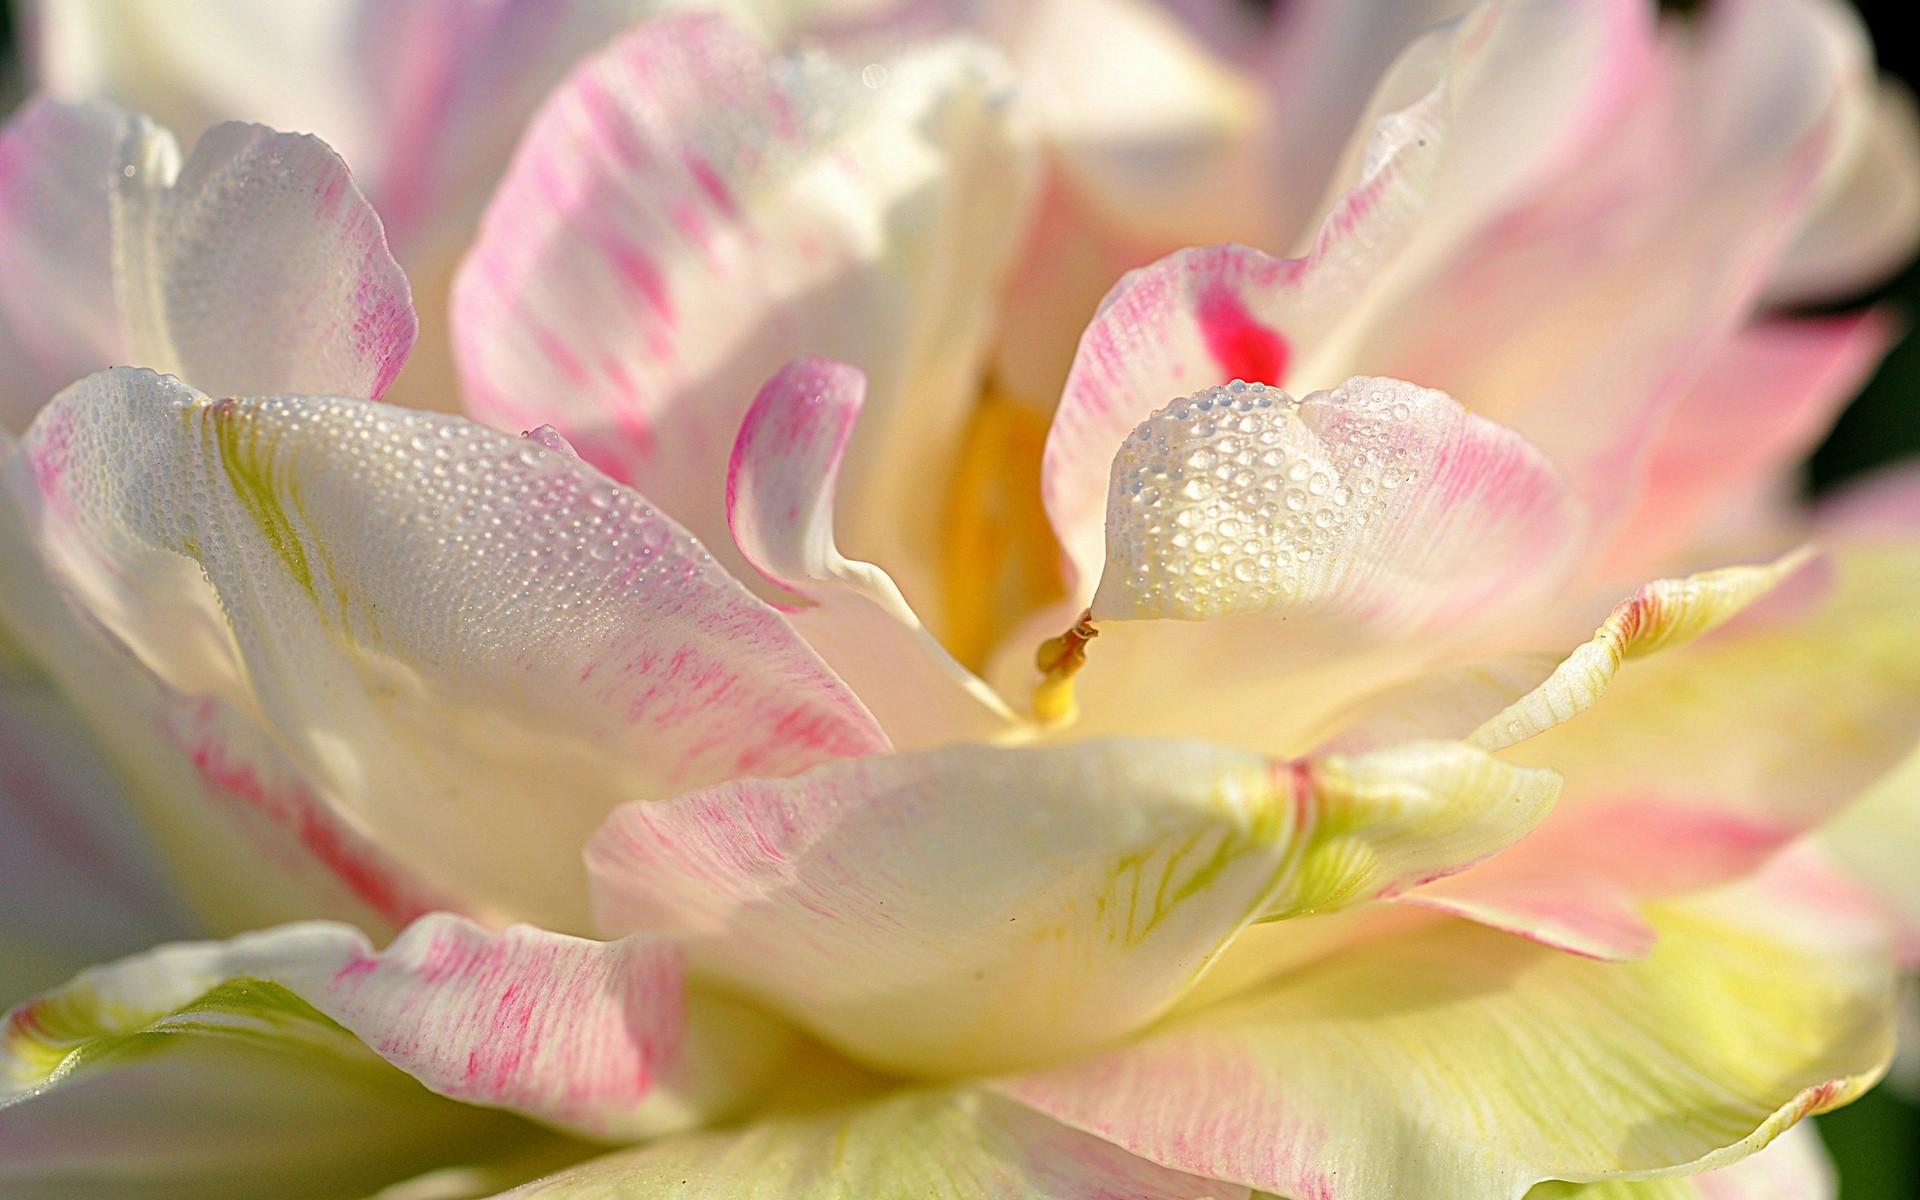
971, 908
690, 211
1447, 145
379, 596
187, 1072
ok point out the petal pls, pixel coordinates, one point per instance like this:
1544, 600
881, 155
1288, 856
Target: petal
1878, 838
79, 881
244, 838
467, 646
1662, 614
1780, 383
1379, 502
1784, 722
780, 492
1609, 289
1470, 113
970, 907
1794, 1167
688, 213
1866, 224
190, 1072
1698, 763
1577, 882
1458, 1061
256, 267
918, 1144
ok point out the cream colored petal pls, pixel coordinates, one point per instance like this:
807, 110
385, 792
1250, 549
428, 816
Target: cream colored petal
928, 1145
963, 909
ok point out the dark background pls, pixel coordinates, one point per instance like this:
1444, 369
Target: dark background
1875, 1142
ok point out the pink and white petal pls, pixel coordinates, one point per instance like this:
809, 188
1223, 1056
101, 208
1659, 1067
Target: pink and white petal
423, 97
1608, 290
257, 266
1866, 223
1424, 175
945, 1143
971, 908
1794, 1166
1577, 883
1455, 1060
780, 507
689, 212
1780, 384
1379, 503
427, 620
183, 1073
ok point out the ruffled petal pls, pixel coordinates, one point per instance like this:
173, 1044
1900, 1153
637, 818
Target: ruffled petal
945, 1145
967, 908
780, 507
466, 647
255, 267
1458, 1061
1662, 614
690, 212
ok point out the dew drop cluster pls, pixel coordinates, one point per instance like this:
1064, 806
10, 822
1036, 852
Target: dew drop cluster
1241, 499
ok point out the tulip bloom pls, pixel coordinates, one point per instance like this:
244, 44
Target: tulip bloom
1022, 600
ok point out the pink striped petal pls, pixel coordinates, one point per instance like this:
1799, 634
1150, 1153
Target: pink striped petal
690, 212
597, 1039
780, 493
467, 646
257, 266
1577, 882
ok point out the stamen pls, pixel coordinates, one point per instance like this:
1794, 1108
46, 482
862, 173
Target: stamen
1059, 660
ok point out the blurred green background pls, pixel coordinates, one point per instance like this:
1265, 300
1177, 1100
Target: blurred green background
1875, 1142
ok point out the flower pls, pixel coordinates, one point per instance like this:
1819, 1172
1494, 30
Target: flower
1325, 848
